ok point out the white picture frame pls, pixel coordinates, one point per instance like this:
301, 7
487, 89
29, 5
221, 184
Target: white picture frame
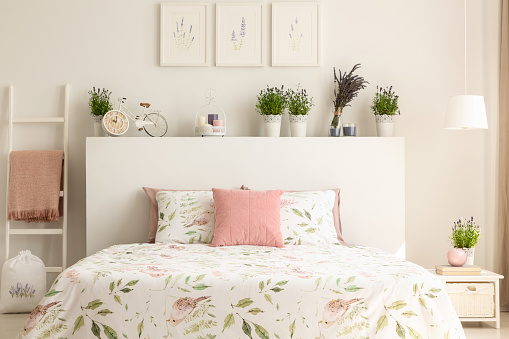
295, 34
239, 34
183, 37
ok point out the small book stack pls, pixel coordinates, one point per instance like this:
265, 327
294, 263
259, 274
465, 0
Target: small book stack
458, 270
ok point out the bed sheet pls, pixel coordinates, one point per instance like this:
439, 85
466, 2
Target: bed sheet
198, 291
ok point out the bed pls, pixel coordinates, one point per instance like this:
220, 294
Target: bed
197, 291
131, 289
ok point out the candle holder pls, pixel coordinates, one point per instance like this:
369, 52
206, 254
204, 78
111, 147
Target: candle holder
349, 130
210, 119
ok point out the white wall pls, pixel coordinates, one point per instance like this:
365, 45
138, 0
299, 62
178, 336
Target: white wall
416, 46
370, 223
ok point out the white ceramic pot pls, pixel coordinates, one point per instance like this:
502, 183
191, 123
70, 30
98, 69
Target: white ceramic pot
298, 125
470, 255
384, 125
98, 128
272, 125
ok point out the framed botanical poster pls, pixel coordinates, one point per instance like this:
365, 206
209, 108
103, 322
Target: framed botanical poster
295, 34
183, 34
239, 34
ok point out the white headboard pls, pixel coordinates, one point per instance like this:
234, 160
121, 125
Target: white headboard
369, 171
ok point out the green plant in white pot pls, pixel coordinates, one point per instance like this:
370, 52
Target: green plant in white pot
299, 105
385, 107
271, 104
99, 102
465, 234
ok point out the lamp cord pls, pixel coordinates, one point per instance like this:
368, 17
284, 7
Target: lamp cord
465, 5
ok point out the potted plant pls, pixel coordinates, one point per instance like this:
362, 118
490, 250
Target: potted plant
271, 104
346, 88
299, 105
465, 234
385, 107
99, 102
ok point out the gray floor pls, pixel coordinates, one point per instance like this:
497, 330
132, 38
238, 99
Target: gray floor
11, 323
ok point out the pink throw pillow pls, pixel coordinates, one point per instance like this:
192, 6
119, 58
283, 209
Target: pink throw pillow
247, 218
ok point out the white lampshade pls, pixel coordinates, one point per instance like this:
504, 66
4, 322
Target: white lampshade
466, 112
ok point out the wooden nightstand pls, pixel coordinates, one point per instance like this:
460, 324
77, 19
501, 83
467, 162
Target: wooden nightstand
486, 277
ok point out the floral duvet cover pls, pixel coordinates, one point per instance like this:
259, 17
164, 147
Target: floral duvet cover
197, 291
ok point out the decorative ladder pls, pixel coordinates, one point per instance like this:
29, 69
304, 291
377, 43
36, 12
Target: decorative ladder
54, 231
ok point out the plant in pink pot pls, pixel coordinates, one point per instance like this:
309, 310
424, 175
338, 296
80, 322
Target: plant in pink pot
464, 237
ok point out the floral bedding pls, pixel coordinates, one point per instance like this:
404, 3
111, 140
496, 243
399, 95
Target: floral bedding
198, 291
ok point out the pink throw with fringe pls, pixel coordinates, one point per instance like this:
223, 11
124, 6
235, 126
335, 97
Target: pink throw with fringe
34, 186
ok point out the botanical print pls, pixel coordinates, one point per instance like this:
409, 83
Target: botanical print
197, 291
183, 38
237, 42
306, 218
72, 275
185, 217
239, 34
398, 312
182, 41
295, 35
21, 291
49, 313
335, 310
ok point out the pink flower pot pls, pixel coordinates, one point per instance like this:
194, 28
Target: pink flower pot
457, 257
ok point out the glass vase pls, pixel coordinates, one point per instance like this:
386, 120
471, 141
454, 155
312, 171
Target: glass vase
336, 126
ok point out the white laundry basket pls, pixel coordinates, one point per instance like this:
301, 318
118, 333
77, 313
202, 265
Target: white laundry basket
23, 283
472, 300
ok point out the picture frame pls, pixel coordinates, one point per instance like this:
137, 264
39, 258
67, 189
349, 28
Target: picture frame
296, 34
239, 34
183, 37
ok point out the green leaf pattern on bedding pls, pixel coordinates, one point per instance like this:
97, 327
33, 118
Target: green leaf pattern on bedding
306, 218
197, 291
185, 217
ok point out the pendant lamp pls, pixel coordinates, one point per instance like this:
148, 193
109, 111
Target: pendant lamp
466, 112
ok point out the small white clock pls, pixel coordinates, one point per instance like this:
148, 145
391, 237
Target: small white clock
115, 123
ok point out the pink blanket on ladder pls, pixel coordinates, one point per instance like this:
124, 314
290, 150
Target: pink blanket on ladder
34, 186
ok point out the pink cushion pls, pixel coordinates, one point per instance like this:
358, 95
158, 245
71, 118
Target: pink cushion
247, 218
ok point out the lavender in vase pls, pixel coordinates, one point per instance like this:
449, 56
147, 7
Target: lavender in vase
347, 87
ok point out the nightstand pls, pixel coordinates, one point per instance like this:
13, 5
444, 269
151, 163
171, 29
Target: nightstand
487, 281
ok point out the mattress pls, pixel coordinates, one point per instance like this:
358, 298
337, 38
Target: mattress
199, 291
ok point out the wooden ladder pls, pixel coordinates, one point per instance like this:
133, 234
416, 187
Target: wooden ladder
57, 231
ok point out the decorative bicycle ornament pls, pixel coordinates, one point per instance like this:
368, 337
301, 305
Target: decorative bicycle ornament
116, 122
210, 119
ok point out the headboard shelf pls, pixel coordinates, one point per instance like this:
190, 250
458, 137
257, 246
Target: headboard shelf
369, 171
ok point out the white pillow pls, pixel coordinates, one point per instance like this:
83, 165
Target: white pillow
306, 218
185, 217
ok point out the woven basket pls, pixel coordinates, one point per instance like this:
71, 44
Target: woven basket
472, 300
